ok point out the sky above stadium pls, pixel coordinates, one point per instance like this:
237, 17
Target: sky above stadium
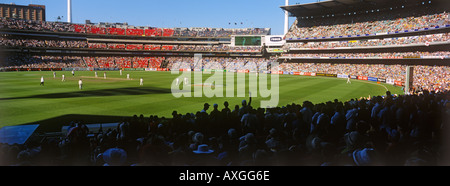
172, 13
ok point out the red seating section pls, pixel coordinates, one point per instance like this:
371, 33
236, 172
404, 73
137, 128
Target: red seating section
116, 31
153, 32
135, 32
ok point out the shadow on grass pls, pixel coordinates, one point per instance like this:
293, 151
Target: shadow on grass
103, 92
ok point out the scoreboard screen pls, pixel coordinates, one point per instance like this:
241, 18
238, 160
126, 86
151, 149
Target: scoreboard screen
247, 41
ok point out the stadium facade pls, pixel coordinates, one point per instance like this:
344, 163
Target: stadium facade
30, 12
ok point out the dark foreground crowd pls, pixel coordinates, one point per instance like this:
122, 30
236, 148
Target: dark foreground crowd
407, 130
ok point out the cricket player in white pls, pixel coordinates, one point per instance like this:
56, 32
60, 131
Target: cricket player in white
96, 75
348, 79
63, 78
120, 72
177, 82
54, 74
42, 81
80, 84
104, 75
73, 73
141, 82
128, 76
185, 80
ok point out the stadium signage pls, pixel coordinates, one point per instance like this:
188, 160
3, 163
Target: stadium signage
302, 73
362, 78
274, 40
372, 79
342, 76
326, 75
382, 80
390, 81
398, 83
320, 74
277, 72
242, 71
161, 69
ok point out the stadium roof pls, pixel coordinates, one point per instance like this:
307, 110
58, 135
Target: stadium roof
344, 6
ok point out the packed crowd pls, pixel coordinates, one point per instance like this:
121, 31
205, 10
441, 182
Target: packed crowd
7, 23
219, 32
387, 130
123, 62
12, 42
21, 24
8, 42
420, 39
220, 63
363, 24
417, 54
36, 61
431, 78
30, 61
190, 48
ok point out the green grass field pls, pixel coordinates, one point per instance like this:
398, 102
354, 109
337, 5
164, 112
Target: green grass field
24, 101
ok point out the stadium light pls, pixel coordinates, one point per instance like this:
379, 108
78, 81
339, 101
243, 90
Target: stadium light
286, 19
69, 11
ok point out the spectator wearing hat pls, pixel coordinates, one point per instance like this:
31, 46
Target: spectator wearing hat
203, 156
197, 139
205, 107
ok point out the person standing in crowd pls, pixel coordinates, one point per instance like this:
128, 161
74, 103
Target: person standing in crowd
226, 109
205, 107
42, 81
80, 84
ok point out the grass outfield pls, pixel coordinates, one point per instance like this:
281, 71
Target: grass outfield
24, 101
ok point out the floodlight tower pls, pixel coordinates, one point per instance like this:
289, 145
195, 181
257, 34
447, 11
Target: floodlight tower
69, 11
286, 19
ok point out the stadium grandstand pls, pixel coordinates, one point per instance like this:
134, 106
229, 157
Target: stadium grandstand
396, 34
404, 43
